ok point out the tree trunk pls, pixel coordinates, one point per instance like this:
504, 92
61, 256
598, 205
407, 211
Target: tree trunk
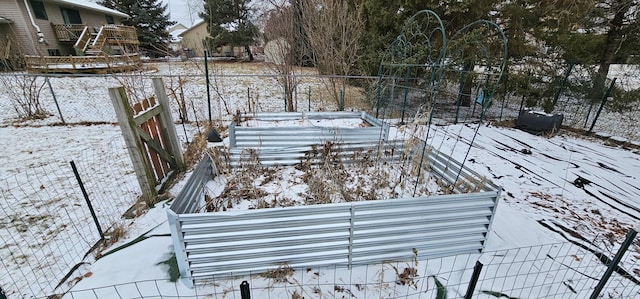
614, 38
467, 83
248, 49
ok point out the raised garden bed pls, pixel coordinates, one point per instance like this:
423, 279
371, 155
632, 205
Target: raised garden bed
293, 196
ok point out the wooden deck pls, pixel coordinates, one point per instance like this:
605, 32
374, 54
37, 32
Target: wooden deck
83, 64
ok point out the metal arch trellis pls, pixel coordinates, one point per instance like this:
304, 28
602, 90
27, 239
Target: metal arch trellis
421, 65
411, 65
477, 55
478, 52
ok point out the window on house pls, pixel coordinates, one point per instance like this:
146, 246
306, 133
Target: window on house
38, 10
110, 20
71, 16
53, 52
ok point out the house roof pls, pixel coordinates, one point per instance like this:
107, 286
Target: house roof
196, 25
91, 6
175, 35
177, 27
4, 20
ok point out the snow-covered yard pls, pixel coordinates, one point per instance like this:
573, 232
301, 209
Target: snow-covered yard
566, 188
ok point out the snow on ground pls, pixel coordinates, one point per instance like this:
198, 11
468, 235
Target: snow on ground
539, 188
565, 183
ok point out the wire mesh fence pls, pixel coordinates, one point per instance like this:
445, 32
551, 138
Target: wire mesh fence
257, 88
45, 231
560, 270
47, 226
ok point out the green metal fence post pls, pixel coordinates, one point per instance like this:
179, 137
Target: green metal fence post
604, 101
564, 82
55, 100
631, 235
206, 73
474, 280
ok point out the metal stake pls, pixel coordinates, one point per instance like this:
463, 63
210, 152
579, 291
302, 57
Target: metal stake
86, 198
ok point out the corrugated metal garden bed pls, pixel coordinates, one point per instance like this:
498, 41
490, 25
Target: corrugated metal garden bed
320, 189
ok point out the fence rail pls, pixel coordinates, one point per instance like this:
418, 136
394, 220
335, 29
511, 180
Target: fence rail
82, 64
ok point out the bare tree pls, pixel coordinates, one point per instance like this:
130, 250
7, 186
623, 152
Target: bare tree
282, 34
333, 28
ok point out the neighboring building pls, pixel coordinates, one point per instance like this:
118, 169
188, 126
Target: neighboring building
175, 27
194, 42
53, 28
192, 39
276, 50
174, 37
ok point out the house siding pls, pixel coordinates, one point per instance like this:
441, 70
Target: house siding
26, 34
21, 30
193, 39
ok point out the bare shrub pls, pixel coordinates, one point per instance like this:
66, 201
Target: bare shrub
24, 93
176, 92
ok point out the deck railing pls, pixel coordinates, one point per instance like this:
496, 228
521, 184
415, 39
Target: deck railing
120, 34
68, 32
111, 33
82, 64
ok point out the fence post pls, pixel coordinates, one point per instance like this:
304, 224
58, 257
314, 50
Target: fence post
309, 97
166, 121
631, 235
406, 93
459, 97
295, 92
604, 101
245, 292
474, 280
206, 73
135, 147
86, 198
564, 82
249, 98
504, 96
55, 100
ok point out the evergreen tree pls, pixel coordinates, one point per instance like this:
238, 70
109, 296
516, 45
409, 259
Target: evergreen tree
228, 23
151, 20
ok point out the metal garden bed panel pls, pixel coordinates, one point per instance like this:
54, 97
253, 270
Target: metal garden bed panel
275, 136
342, 234
239, 242
191, 197
291, 155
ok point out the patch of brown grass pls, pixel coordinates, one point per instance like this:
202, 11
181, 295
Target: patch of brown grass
112, 236
280, 274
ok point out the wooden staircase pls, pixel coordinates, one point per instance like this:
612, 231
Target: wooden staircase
107, 40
